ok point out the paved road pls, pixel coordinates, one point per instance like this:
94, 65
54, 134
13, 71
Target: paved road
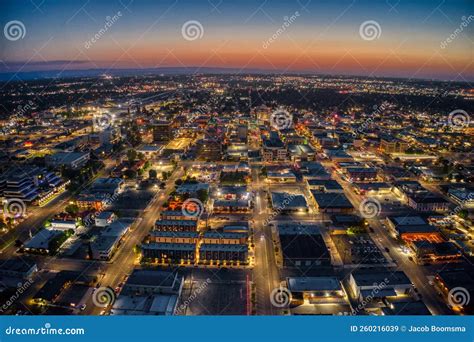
417, 273
265, 273
125, 259
34, 222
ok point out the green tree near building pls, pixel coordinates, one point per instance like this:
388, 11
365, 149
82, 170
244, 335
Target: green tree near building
152, 174
72, 209
202, 195
463, 214
131, 155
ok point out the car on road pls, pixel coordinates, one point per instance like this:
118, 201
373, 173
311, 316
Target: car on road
83, 307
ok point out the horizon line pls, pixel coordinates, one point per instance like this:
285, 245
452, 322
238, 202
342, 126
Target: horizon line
201, 70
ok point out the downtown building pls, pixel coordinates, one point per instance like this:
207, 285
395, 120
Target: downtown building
273, 149
389, 144
162, 131
31, 184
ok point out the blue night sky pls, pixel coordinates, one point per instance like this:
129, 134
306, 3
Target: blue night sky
324, 37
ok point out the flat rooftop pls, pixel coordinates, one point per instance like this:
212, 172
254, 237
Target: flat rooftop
152, 278
41, 239
302, 246
302, 284
331, 200
407, 220
374, 278
223, 248
158, 304
170, 246
298, 228
285, 200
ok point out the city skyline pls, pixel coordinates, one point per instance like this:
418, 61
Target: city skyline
217, 158
402, 39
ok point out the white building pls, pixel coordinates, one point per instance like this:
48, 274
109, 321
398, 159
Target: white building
104, 219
